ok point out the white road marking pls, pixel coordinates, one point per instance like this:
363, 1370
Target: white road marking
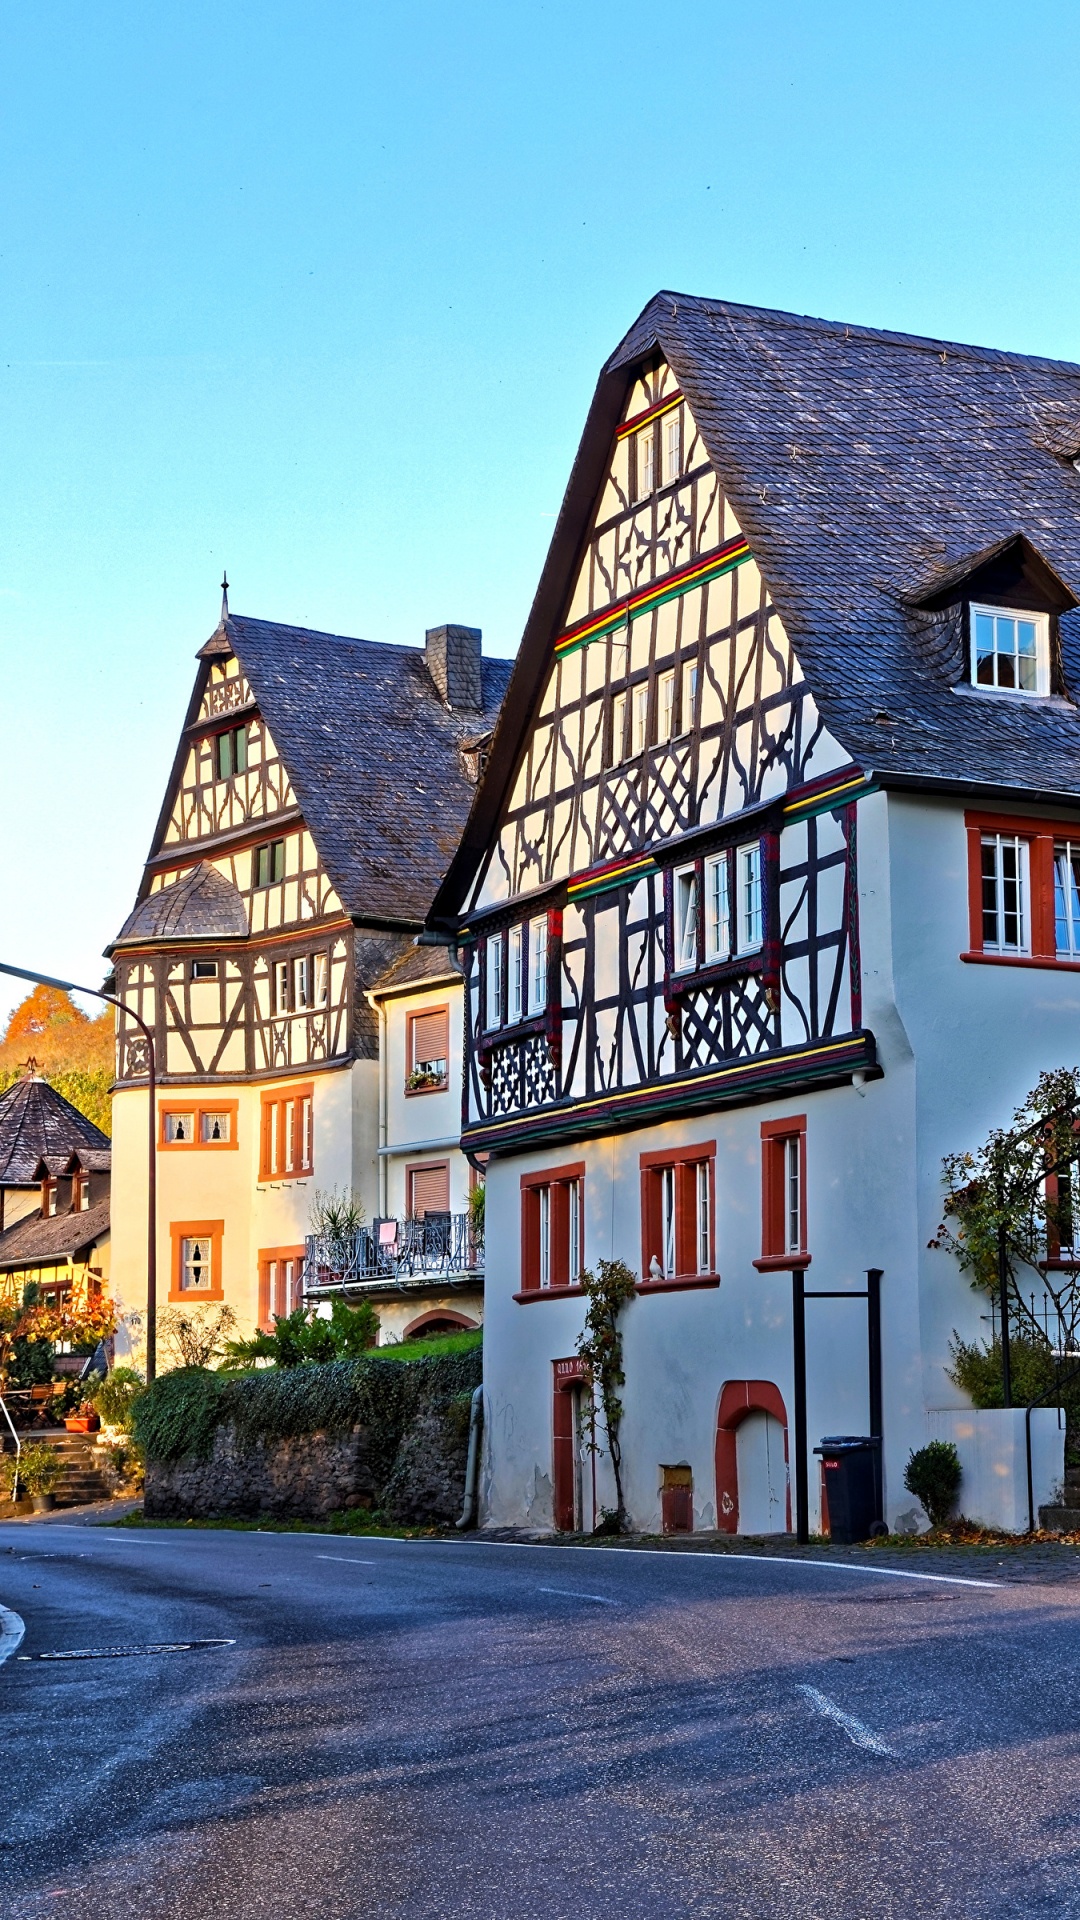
859, 1735
573, 1593
346, 1559
12, 1629
730, 1559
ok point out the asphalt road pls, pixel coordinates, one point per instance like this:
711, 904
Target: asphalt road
430, 1729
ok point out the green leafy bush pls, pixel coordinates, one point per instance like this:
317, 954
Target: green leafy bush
39, 1467
178, 1416
933, 1474
302, 1338
115, 1396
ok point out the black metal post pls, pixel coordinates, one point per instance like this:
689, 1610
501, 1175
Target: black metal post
874, 1376
1003, 1291
798, 1319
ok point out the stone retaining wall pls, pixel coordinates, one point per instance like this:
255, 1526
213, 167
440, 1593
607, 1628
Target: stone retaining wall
315, 1474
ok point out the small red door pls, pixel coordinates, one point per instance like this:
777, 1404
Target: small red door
565, 1452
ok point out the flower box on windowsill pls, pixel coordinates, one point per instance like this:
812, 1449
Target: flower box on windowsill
418, 1082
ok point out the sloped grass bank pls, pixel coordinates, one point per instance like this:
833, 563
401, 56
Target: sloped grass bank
386, 1432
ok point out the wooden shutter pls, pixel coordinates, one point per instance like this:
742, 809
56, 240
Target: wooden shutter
429, 1189
430, 1036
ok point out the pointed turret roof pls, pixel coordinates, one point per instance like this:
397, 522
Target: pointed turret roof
36, 1121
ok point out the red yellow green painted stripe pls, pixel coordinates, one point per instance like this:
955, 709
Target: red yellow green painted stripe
732, 554
648, 414
615, 873
848, 783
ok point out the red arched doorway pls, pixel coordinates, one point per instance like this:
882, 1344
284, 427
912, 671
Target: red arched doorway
738, 1400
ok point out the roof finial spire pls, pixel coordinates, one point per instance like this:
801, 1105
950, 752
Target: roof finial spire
224, 594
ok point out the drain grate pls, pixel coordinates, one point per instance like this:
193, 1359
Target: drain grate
128, 1653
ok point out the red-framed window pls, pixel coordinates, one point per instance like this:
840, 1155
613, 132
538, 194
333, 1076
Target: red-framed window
1023, 890
552, 1227
286, 1135
678, 1207
783, 1192
427, 1047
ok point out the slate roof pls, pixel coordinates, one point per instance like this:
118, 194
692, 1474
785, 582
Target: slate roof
201, 906
36, 1121
36, 1242
86, 1160
373, 755
862, 465
416, 967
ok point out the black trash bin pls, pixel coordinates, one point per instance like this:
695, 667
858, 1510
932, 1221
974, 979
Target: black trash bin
852, 1464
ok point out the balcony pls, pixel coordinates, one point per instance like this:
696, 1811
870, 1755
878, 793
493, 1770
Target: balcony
391, 1255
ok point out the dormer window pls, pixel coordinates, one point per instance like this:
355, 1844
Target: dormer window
1010, 650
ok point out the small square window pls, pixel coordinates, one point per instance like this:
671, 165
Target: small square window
1010, 650
215, 1128
179, 1129
204, 969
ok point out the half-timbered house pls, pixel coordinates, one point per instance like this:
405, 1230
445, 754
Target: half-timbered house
317, 792
769, 896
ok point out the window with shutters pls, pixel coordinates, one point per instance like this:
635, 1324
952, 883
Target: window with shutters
677, 1207
281, 1275
552, 1228
427, 1050
783, 1193
287, 1146
269, 863
427, 1189
1023, 891
196, 1260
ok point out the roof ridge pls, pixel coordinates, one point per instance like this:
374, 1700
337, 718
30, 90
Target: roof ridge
779, 317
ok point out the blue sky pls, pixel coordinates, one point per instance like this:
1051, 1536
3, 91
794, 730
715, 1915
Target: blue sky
319, 292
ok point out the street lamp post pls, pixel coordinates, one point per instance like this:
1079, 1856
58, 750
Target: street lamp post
69, 986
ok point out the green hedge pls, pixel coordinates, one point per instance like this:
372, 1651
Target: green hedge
178, 1416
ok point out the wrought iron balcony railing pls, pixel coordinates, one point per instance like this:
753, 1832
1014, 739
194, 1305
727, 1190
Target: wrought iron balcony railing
394, 1253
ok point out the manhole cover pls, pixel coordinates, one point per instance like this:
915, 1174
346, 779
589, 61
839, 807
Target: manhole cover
128, 1653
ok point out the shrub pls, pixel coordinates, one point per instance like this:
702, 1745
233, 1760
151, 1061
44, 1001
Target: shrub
114, 1397
178, 1416
933, 1475
302, 1338
39, 1467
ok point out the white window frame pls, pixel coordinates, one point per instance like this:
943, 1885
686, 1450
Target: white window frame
224, 1119
493, 983
1067, 893
671, 434
544, 1194
717, 906
793, 1199
189, 1255
618, 728
171, 1136
321, 983
515, 976
689, 696
574, 1222
645, 449
639, 717
665, 705
538, 965
281, 986
1041, 624
668, 1207
749, 900
704, 1218
1002, 842
302, 981
685, 910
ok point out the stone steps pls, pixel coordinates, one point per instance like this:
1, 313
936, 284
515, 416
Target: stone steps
81, 1484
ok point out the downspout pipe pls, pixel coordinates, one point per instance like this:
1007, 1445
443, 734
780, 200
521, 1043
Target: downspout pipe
472, 1465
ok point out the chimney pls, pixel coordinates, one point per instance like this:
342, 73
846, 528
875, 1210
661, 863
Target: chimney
453, 660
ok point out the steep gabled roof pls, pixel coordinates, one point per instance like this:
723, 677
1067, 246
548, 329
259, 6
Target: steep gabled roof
371, 750
36, 1121
861, 465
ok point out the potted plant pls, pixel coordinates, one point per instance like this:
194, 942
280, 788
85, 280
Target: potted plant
40, 1472
85, 1419
11, 1480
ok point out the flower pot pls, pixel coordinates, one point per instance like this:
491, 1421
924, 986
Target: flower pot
44, 1502
82, 1423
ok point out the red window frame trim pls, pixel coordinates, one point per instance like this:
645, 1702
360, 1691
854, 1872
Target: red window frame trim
1040, 835
687, 1272
775, 1257
573, 1173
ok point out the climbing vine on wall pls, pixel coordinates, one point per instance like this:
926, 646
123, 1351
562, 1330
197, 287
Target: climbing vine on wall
600, 1350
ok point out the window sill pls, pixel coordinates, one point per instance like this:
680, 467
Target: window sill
1059, 1265
416, 1093
781, 1262
185, 1296
679, 1283
752, 961
1048, 962
530, 1294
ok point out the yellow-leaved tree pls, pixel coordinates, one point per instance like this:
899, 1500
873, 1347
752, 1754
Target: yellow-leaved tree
72, 1052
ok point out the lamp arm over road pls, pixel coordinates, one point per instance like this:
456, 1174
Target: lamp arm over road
70, 986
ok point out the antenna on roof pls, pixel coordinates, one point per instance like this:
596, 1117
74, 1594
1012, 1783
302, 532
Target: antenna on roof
224, 594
